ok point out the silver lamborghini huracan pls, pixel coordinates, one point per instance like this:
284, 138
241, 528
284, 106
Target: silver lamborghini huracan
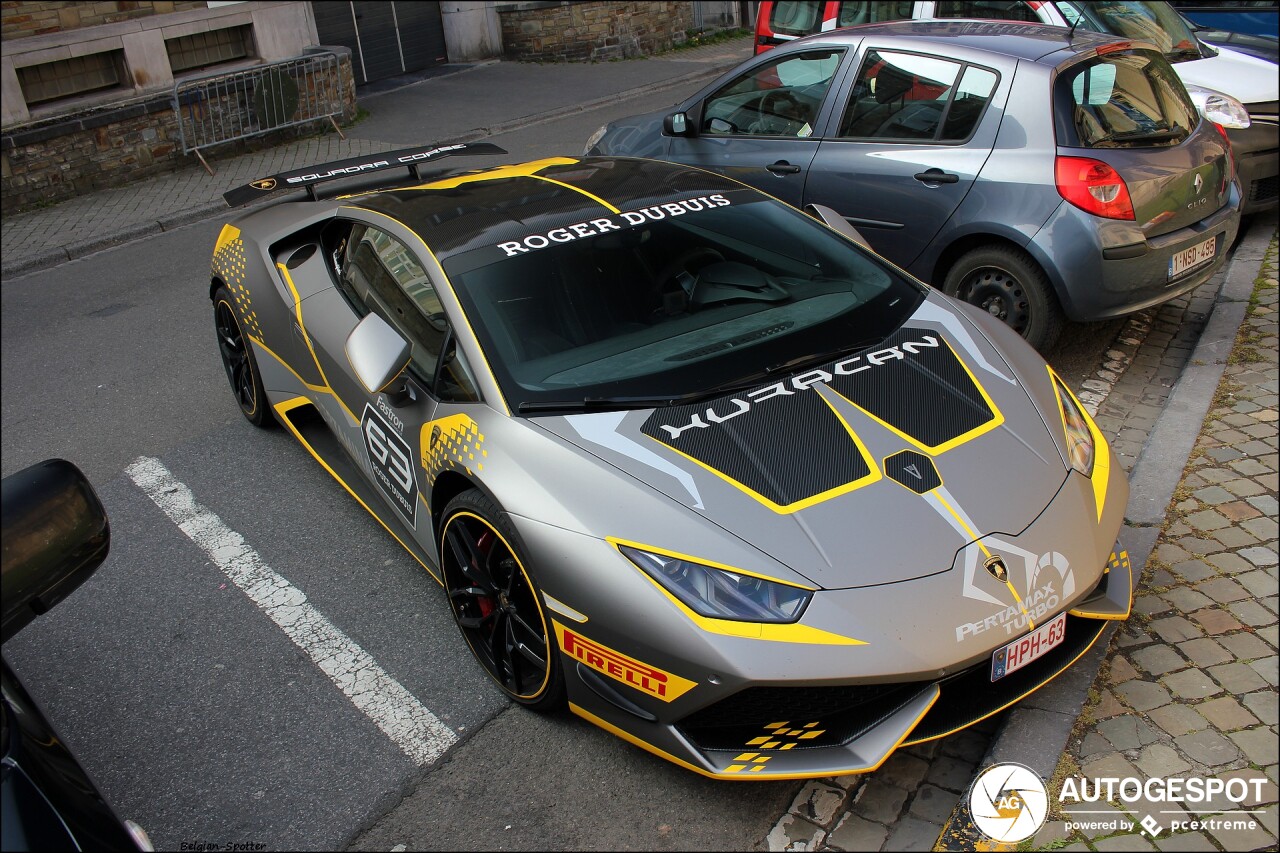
697, 463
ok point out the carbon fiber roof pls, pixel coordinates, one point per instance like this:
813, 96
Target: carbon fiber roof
483, 208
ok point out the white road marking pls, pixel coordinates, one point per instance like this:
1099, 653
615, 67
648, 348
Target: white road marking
400, 716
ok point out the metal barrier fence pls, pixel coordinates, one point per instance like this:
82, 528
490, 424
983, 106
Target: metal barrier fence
227, 106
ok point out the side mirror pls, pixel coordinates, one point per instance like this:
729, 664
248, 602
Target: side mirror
677, 124
55, 534
837, 223
376, 352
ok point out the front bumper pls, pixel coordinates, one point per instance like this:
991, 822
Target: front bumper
795, 732
881, 666
1257, 160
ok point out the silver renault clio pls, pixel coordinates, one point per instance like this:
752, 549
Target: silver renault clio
1041, 173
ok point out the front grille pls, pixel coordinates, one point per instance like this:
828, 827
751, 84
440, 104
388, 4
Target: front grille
800, 716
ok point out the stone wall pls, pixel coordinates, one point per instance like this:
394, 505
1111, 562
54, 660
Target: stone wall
22, 19
113, 146
592, 31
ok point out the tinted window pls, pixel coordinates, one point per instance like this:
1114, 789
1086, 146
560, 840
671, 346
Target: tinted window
988, 10
1123, 100
873, 12
779, 98
379, 274
795, 17
678, 303
914, 97
970, 100
1157, 23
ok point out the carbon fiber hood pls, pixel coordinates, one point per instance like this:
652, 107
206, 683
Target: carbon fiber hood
871, 469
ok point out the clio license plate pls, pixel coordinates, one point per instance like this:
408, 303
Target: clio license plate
1193, 257
1029, 647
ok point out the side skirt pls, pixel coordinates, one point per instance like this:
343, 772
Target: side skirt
300, 417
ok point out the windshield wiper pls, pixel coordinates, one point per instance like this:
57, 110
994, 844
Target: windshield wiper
1172, 133
597, 404
741, 383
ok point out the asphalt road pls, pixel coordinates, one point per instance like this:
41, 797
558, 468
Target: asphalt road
196, 714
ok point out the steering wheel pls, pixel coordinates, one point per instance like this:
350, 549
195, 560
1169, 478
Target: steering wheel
777, 111
676, 280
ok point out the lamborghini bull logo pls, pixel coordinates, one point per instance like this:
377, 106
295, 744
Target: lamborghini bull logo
1044, 581
802, 381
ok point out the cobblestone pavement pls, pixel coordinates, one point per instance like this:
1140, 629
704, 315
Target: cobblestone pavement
1189, 685
907, 802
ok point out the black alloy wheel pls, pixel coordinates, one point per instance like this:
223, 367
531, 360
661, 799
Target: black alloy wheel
237, 360
496, 603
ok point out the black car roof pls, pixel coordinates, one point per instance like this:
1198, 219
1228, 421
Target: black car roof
1031, 42
483, 208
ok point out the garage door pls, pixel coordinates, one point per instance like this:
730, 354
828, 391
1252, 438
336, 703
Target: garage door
386, 39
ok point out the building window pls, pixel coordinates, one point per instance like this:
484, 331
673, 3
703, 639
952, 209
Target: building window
69, 78
202, 50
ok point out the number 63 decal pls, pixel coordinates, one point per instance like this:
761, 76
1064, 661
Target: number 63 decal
391, 460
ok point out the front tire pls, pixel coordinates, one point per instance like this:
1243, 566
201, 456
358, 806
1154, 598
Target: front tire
496, 603
239, 363
1008, 284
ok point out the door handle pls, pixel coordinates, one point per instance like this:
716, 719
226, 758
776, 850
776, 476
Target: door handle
782, 167
936, 176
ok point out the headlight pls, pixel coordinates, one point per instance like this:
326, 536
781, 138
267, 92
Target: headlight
722, 594
593, 139
1219, 107
1079, 437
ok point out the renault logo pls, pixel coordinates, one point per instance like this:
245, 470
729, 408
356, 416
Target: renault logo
997, 568
270, 183
1199, 184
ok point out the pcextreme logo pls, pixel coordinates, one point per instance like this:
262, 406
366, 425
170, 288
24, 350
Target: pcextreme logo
647, 679
1008, 802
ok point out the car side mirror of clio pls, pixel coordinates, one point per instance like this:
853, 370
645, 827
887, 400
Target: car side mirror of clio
677, 124
378, 355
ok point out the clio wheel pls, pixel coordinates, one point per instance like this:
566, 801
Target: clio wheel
1008, 284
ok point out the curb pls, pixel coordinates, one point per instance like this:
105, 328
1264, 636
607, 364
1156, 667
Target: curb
1035, 733
74, 251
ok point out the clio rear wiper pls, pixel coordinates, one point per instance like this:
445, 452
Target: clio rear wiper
1160, 135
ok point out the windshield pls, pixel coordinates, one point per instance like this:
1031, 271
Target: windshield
682, 298
1158, 23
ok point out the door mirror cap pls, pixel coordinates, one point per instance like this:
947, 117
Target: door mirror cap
376, 352
55, 535
677, 124
837, 223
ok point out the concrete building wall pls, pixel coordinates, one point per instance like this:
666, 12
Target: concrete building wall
105, 138
471, 30
20, 20
280, 30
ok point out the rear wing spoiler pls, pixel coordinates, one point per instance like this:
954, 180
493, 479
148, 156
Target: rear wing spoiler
406, 158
